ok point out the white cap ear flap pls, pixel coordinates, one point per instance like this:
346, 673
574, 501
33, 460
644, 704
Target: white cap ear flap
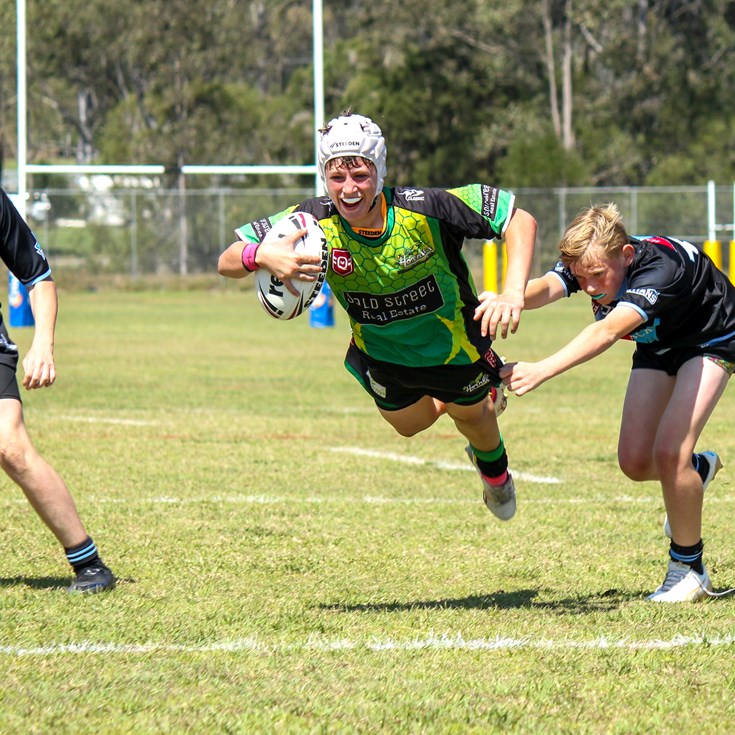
353, 135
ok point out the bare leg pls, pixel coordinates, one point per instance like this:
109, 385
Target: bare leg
699, 385
477, 423
41, 484
415, 418
662, 420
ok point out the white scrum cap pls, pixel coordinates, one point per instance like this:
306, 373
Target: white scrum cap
353, 135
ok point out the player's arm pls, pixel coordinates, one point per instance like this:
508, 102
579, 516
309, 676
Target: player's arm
276, 256
231, 264
520, 238
504, 311
522, 377
38, 364
244, 257
539, 292
544, 290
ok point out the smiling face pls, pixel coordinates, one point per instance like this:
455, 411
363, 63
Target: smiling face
352, 186
601, 276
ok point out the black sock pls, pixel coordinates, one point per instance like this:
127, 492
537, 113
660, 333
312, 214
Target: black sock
701, 465
492, 464
689, 555
83, 555
494, 469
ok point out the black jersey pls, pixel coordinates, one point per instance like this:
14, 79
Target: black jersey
19, 248
685, 299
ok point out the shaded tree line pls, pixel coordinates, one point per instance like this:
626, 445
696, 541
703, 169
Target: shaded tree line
521, 92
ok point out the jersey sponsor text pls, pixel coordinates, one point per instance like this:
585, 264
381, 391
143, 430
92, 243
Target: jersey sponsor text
423, 297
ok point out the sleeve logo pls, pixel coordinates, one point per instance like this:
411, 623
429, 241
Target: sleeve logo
649, 294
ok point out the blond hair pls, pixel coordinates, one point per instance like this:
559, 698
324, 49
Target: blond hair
600, 226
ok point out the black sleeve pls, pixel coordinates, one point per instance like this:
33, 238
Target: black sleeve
19, 249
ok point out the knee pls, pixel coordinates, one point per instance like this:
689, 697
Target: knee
407, 425
16, 451
635, 466
13, 457
416, 418
478, 418
407, 431
667, 459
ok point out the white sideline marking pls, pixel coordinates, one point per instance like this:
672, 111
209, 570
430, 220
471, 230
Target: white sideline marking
430, 642
407, 459
103, 420
368, 499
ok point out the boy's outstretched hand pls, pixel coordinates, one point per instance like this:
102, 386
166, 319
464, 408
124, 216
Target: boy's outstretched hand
499, 311
523, 377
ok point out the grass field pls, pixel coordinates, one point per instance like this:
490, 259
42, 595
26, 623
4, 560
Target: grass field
288, 564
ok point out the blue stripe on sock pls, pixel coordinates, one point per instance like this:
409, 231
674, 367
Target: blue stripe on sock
88, 552
685, 558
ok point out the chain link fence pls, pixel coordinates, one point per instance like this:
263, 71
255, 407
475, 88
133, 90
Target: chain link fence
147, 230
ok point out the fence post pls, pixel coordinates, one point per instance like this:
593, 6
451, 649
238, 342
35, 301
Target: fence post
134, 236
711, 210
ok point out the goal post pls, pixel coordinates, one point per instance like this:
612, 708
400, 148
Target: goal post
25, 168
713, 245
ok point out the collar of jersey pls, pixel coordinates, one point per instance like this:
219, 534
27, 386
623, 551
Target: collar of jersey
389, 219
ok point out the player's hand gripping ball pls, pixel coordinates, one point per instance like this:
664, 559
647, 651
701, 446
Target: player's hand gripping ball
274, 297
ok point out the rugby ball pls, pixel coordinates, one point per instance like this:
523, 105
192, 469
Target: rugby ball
274, 297
499, 399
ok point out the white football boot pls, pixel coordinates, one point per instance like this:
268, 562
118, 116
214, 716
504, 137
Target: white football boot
500, 499
682, 584
715, 465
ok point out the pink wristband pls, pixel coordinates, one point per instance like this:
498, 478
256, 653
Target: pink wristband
248, 256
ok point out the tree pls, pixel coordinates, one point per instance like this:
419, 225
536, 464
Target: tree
465, 89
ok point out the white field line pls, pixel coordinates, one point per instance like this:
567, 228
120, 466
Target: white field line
108, 420
407, 459
352, 500
430, 642
357, 451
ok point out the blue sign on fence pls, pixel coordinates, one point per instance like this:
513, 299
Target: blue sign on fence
19, 302
321, 312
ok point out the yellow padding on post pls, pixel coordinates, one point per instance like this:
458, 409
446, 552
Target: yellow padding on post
504, 265
490, 265
713, 248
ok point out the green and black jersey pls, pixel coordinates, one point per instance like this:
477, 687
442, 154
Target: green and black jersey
409, 294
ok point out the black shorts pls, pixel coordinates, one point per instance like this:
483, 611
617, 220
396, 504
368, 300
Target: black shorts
394, 387
670, 361
8, 365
